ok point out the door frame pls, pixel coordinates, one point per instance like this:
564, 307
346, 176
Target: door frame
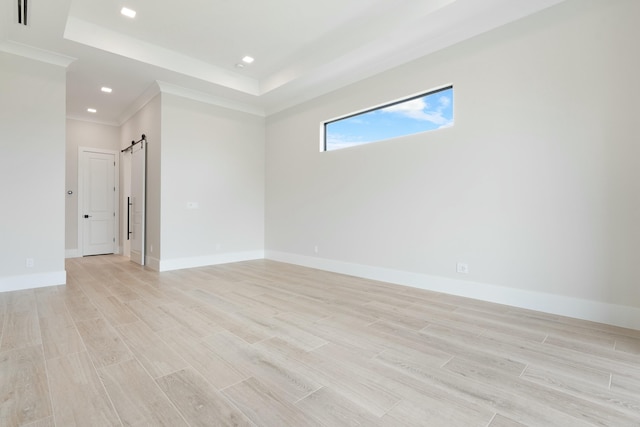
116, 194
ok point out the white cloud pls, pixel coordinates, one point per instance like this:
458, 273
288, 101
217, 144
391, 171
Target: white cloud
413, 108
418, 109
444, 101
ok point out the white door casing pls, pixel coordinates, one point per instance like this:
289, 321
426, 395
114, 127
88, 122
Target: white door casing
97, 201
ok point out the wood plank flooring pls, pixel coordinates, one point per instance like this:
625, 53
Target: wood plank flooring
262, 343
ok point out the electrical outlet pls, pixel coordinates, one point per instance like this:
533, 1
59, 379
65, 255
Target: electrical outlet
315, 249
462, 268
30, 263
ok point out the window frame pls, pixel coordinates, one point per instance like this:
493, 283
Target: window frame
323, 125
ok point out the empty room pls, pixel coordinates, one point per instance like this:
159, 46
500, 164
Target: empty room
336, 213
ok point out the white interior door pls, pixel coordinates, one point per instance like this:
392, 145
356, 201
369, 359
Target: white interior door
137, 203
98, 209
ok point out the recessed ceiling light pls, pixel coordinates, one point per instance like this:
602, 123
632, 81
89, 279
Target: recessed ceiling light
129, 13
92, 110
247, 60
106, 89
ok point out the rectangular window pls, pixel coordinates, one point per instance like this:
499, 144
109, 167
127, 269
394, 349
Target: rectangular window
421, 113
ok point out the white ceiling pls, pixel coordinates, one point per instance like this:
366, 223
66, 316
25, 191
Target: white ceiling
302, 48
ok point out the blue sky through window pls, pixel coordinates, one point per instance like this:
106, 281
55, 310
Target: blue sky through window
429, 112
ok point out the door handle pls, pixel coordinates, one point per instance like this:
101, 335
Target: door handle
129, 232
87, 216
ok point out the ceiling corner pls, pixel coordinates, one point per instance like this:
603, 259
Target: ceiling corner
151, 92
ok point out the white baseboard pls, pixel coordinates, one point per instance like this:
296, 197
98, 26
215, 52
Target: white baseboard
31, 281
152, 263
72, 253
202, 261
602, 312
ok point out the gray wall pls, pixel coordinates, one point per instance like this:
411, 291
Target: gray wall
536, 187
204, 154
32, 174
214, 157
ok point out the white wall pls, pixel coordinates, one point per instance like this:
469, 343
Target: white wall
32, 172
536, 187
214, 157
205, 154
82, 134
146, 121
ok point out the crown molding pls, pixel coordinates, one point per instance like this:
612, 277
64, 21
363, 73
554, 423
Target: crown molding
84, 119
209, 99
42, 55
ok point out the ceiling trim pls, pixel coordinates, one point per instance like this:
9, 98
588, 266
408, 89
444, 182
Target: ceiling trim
85, 119
209, 99
35, 53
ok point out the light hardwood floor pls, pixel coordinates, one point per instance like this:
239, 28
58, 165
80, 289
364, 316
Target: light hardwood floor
262, 343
